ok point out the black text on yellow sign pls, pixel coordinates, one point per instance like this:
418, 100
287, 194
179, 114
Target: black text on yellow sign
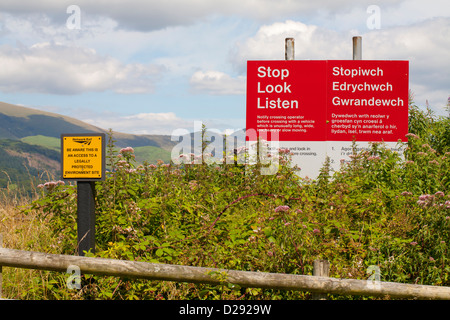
83, 156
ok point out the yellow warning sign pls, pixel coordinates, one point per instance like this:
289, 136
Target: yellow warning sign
83, 156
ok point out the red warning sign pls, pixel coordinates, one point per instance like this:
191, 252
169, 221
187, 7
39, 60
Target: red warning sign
287, 97
328, 100
367, 100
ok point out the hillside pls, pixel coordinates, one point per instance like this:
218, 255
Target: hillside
23, 166
30, 144
18, 122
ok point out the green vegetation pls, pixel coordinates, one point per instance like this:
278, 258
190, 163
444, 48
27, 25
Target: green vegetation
379, 210
34, 159
47, 142
35, 153
23, 165
151, 154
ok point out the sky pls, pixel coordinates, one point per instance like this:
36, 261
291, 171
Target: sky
151, 67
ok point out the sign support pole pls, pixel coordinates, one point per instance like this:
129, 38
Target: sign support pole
83, 160
357, 48
86, 216
289, 53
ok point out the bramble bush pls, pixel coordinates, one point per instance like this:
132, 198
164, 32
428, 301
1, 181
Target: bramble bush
380, 209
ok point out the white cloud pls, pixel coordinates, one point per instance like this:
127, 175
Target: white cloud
427, 47
61, 69
164, 123
268, 44
413, 11
424, 44
311, 42
155, 31
142, 123
217, 83
155, 14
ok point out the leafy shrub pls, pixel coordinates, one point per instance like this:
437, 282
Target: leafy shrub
380, 209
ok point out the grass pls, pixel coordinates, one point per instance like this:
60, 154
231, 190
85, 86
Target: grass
18, 232
23, 232
43, 141
151, 154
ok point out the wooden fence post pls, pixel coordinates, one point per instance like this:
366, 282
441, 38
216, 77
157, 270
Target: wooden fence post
321, 269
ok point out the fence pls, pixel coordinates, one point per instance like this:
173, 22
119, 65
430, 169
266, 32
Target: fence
317, 284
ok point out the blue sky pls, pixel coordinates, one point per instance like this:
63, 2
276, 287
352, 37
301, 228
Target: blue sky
155, 66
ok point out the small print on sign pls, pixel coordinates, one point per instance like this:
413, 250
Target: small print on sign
82, 156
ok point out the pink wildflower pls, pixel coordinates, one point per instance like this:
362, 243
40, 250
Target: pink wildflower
412, 135
425, 197
126, 150
282, 208
421, 202
433, 162
50, 185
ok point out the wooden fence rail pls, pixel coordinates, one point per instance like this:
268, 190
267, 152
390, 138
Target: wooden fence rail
179, 273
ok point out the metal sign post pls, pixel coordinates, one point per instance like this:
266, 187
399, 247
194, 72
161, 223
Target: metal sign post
86, 216
357, 48
83, 160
